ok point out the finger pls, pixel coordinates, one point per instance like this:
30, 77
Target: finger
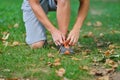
61, 41
74, 42
68, 38
63, 38
58, 43
71, 41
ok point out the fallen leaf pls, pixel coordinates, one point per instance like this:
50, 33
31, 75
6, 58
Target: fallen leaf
86, 52
109, 52
103, 78
16, 25
50, 55
115, 32
86, 68
111, 63
100, 44
60, 72
5, 36
57, 62
101, 35
110, 70
97, 24
111, 46
15, 43
89, 24
93, 71
89, 34
76, 59
49, 64
41, 59
2, 78
115, 76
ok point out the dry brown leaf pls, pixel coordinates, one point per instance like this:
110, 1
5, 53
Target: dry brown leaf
2, 78
86, 68
100, 44
90, 34
57, 62
76, 59
103, 78
50, 55
5, 36
111, 46
16, 25
98, 72
93, 71
41, 59
111, 63
110, 70
49, 64
109, 52
115, 76
60, 72
101, 35
115, 32
15, 43
86, 52
97, 24
89, 24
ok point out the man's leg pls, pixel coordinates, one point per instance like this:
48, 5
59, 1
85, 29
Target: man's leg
35, 31
63, 15
37, 44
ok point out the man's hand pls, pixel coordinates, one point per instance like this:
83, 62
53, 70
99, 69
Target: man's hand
58, 37
73, 37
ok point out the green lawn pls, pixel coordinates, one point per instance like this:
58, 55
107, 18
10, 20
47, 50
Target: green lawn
100, 32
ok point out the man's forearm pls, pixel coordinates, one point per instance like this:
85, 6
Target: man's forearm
40, 14
82, 13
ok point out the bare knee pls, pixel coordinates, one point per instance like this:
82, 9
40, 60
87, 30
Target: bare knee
37, 45
62, 2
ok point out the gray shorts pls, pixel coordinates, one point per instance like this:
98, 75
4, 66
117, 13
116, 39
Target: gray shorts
35, 31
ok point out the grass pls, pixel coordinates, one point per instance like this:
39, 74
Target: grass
22, 62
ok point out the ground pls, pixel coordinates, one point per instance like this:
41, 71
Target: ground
97, 54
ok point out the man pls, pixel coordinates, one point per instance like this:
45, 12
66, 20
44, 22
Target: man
36, 21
